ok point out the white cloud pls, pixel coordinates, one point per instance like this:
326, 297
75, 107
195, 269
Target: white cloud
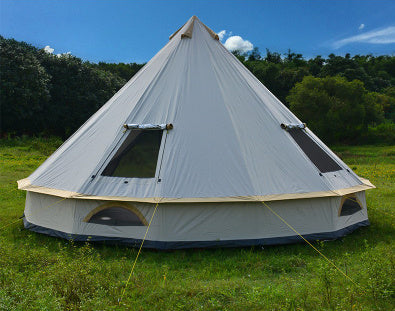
237, 43
63, 54
362, 26
48, 49
376, 36
221, 34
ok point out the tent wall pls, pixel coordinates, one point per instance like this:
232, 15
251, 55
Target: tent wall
198, 224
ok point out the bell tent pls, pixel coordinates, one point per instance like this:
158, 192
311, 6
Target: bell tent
197, 136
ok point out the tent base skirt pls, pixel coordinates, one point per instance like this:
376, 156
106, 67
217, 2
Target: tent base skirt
170, 245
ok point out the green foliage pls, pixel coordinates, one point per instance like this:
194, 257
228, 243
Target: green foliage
77, 91
45, 94
125, 71
24, 92
38, 272
335, 109
384, 133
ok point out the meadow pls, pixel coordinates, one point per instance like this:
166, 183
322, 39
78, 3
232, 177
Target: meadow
38, 272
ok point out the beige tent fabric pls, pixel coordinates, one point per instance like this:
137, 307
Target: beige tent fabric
188, 32
212, 33
178, 30
25, 185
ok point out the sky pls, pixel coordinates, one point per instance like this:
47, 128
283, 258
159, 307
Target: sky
134, 31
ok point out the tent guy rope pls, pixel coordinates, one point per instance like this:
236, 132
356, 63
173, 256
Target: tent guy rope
138, 254
317, 250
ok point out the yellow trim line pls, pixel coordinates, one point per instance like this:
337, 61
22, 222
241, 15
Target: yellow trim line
24, 184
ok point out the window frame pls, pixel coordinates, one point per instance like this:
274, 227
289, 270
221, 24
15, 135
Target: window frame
119, 144
352, 197
310, 155
124, 205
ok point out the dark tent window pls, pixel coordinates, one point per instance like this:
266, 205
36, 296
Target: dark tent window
314, 152
350, 206
116, 216
137, 156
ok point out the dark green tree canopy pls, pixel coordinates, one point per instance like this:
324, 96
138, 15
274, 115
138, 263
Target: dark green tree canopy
334, 108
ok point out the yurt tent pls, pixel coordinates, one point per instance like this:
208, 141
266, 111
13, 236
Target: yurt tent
196, 135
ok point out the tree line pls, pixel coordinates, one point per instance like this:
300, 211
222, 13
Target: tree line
344, 99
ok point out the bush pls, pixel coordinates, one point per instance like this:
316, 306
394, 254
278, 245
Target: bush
337, 110
382, 133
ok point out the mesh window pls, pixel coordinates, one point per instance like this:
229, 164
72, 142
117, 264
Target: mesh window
137, 156
350, 206
116, 216
314, 152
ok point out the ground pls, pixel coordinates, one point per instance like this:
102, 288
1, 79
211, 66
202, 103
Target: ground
38, 272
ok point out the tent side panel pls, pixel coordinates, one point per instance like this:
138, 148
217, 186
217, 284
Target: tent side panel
196, 224
50, 211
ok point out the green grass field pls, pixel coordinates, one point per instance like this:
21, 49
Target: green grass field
44, 273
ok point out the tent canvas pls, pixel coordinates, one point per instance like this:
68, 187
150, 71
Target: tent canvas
197, 133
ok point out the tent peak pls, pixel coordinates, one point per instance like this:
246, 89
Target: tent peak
187, 29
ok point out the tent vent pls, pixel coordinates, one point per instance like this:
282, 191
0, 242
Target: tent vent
293, 126
349, 206
314, 152
149, 126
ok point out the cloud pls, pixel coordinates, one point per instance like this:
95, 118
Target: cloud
48, 49
221, 34
237, 43
64, 54
362, 26
376, 36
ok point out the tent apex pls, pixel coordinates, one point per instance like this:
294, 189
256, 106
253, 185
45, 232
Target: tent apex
187, 29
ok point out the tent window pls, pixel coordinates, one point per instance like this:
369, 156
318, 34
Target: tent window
314, 152
350, 206
137, 156
116, 216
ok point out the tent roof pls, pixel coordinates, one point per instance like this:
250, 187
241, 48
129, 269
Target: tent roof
227, 141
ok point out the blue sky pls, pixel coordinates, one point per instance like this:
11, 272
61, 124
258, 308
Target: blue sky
134, 31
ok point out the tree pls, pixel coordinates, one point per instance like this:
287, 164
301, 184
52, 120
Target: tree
335, 109
386, 102
273, 57
24, 91
78, 90
254, 55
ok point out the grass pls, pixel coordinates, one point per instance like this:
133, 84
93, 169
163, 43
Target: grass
38, 272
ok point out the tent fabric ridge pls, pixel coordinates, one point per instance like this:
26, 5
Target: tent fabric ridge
24, 184
188, 32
